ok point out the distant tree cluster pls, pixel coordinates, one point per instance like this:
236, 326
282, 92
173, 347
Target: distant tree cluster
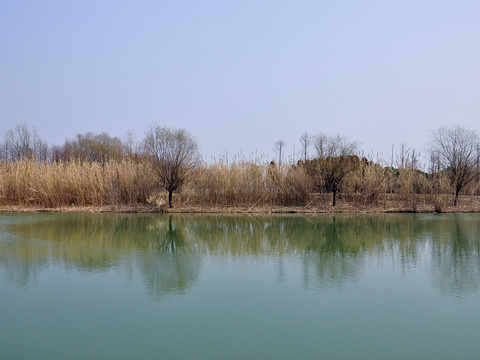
91, 147
21, 143
173, 153
454, 151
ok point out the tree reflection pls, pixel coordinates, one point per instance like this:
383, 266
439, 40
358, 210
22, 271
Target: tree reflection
155, 245
173, 239
167, 250
171, 268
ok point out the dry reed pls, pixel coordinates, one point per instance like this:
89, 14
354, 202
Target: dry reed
71, 183
243, 183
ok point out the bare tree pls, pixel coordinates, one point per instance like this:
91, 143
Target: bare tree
19, 142
92, 147
455, 150
22, 143
478, 165
305, 141
320, 143
55, 153
279, 146
39, 147
175, 154
130, 143
4, 149
404, 153
336, 158
335, 146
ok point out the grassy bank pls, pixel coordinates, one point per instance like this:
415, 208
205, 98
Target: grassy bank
468, 205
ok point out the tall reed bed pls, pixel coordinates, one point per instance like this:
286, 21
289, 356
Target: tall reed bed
248, 183
73, 183
242, 183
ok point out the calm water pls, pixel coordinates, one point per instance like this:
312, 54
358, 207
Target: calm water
239, 287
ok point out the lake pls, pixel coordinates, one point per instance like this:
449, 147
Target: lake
155, 286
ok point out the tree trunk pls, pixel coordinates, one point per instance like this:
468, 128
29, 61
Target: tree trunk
455, 202
334, 197
170, 193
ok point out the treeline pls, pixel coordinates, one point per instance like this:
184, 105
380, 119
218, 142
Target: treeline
22, 143
165, 168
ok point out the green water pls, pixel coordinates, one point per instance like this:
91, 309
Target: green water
239, 287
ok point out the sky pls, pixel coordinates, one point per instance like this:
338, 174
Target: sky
240, 75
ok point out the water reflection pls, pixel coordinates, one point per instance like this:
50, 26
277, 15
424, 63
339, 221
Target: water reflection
456, 256
168, 250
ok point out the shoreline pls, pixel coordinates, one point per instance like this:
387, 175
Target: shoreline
150, 209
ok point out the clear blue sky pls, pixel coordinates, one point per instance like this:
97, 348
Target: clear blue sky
239, 75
